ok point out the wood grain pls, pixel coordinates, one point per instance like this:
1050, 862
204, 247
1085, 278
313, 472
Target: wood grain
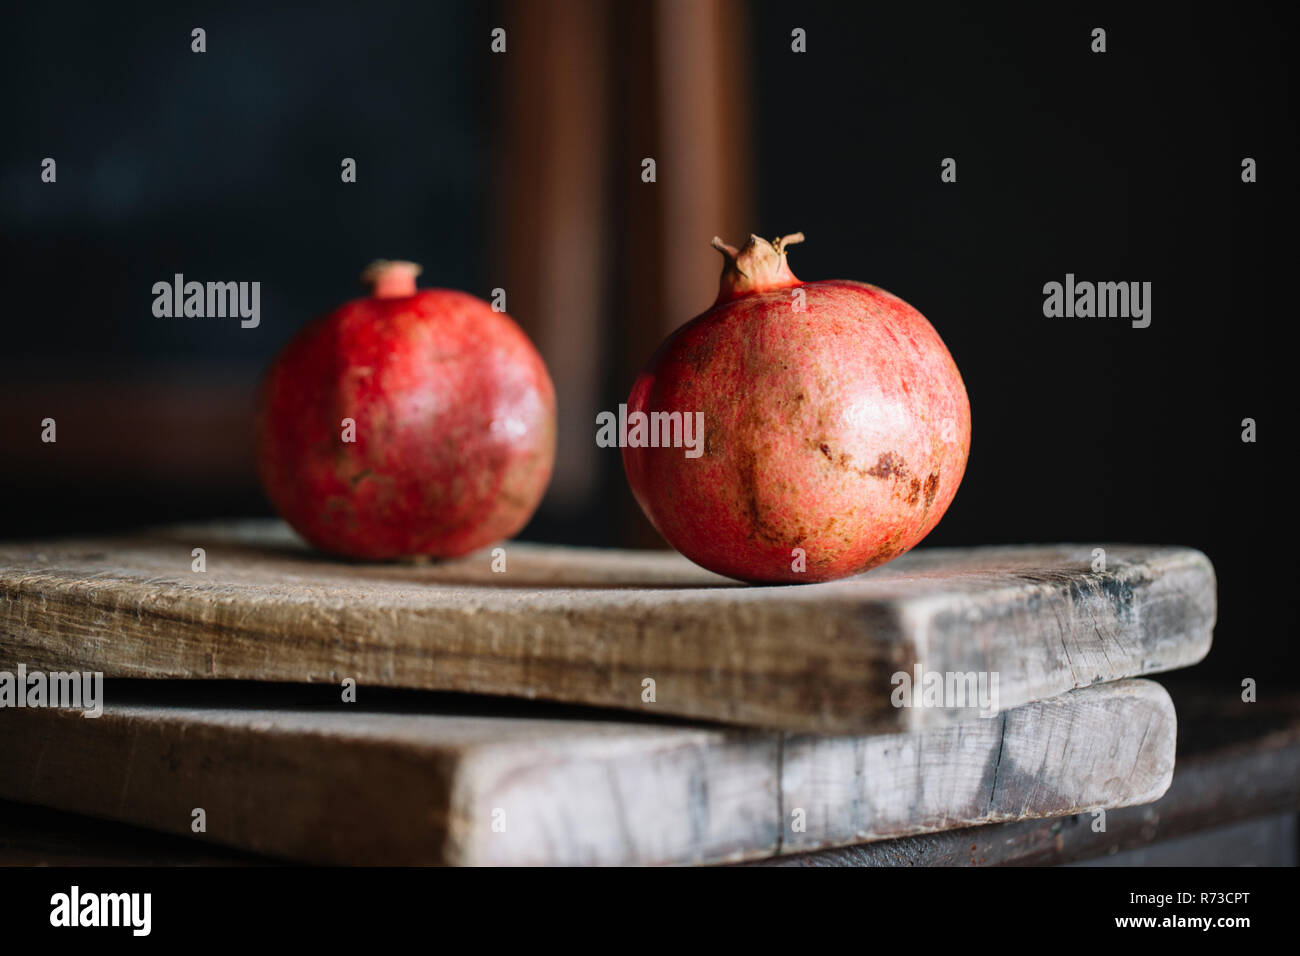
344, 784
589, 627
1237, 766
1218, 782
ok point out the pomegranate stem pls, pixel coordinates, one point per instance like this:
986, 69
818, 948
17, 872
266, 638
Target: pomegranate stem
391, 279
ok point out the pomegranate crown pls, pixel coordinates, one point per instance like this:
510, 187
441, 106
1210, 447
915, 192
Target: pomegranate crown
391, 279
756, 267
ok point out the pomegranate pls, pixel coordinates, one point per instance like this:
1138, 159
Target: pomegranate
836, 425
407, 423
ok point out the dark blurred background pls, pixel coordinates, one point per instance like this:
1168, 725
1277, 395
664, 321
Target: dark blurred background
522, 170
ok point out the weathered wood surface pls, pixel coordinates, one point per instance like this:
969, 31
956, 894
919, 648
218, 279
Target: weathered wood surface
350, 784
1242, 764
1249, 777
589, 627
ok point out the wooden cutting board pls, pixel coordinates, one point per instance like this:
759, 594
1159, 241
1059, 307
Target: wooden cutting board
368, 783
644, 631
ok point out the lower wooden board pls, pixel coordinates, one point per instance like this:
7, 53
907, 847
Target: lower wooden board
639, 631
1238, 765
352, 783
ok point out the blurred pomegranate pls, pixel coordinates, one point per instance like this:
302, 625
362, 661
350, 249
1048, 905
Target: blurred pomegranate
836, 425
407, 423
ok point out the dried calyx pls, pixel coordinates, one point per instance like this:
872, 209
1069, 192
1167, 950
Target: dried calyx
756, 267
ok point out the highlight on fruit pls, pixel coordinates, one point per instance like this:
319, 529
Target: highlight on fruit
836, 425
409, 422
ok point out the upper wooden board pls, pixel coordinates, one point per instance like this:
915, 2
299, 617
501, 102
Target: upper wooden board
635, 630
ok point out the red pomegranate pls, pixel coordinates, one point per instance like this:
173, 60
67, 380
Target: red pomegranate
836, 425
407, 423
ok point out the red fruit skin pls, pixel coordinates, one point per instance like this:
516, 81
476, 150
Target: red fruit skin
843, 430
455, 427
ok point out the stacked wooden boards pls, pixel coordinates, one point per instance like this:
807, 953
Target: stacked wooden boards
826, 760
